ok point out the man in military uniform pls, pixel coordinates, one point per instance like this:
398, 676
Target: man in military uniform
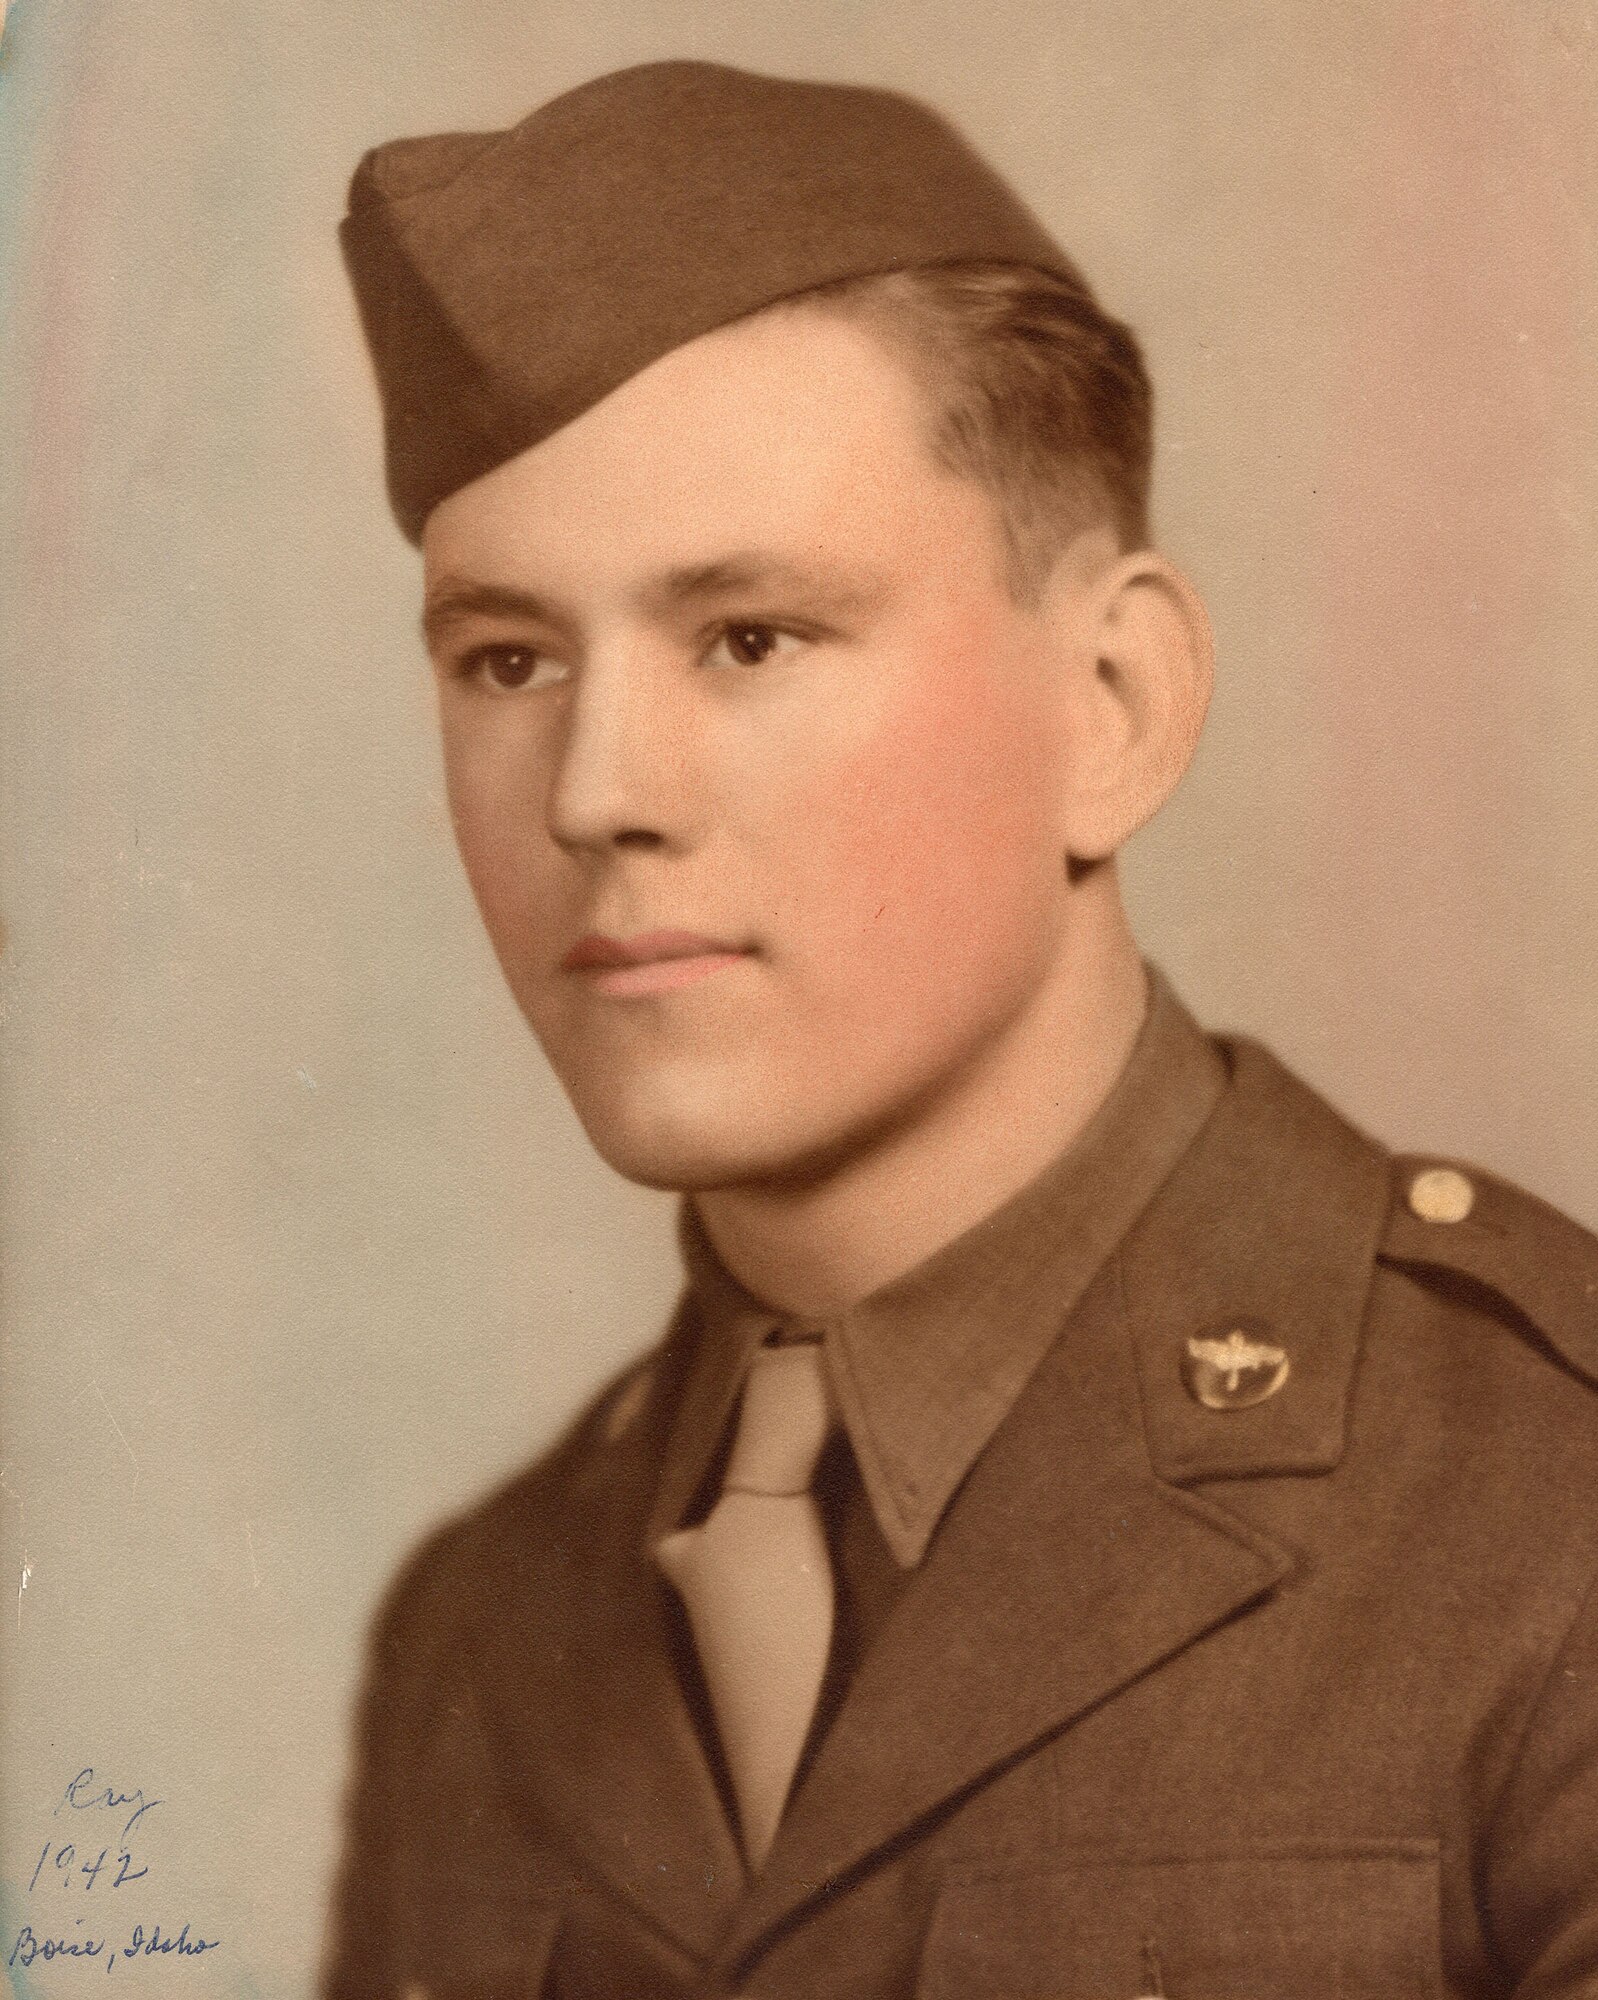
1097, 1525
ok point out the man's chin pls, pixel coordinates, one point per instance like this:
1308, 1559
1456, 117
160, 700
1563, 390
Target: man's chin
679, 1158
690, 1148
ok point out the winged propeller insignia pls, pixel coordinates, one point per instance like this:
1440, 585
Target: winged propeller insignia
1234, 1354
1233, 1370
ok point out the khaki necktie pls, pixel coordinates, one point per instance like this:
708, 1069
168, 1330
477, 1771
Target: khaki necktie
757, 1585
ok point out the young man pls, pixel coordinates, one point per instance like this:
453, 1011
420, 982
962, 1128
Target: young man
1097, 1525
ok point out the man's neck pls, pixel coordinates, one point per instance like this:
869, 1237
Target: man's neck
821, 1246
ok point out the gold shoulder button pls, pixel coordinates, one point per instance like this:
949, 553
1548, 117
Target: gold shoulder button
1541, 1264
1441, 1194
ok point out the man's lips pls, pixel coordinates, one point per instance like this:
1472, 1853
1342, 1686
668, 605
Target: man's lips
650, 962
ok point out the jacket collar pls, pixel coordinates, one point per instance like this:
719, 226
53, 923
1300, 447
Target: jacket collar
926, 1369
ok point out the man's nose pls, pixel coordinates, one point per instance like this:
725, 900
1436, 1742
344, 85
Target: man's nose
619, 778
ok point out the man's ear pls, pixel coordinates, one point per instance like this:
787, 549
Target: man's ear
1138, 658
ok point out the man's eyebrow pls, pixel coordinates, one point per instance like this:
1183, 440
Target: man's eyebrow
454, 599
833, 588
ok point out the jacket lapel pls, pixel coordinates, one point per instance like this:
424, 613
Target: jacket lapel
1271, 1222
1063, 1571
577, 1675
1073, 1560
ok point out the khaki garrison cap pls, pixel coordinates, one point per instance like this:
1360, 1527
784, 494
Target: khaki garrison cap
507, 281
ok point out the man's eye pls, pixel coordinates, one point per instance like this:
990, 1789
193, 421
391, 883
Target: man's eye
511, 668
748, 645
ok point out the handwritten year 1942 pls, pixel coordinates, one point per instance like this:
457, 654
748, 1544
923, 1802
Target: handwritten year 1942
69, 1864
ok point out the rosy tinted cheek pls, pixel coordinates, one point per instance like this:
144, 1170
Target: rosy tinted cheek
940, 819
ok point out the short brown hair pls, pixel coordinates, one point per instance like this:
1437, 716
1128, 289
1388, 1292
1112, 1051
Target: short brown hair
1040, 396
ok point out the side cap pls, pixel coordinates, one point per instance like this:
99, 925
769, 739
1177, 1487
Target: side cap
508, 281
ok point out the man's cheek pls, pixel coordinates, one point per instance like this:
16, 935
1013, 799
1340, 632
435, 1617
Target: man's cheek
919, 850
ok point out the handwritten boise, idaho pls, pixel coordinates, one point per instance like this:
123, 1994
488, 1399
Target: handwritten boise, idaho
92, 1857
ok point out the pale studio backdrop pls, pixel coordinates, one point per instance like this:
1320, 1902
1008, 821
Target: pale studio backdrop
300, 1247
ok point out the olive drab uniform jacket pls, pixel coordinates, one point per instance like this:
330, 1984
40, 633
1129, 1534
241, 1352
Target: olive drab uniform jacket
1253, 1654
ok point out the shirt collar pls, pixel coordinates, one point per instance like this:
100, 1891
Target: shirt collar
926, 1369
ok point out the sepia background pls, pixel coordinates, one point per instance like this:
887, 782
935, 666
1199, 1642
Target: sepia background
299, 1248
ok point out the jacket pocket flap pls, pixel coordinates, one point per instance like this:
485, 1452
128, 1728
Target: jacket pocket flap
1299, 1922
